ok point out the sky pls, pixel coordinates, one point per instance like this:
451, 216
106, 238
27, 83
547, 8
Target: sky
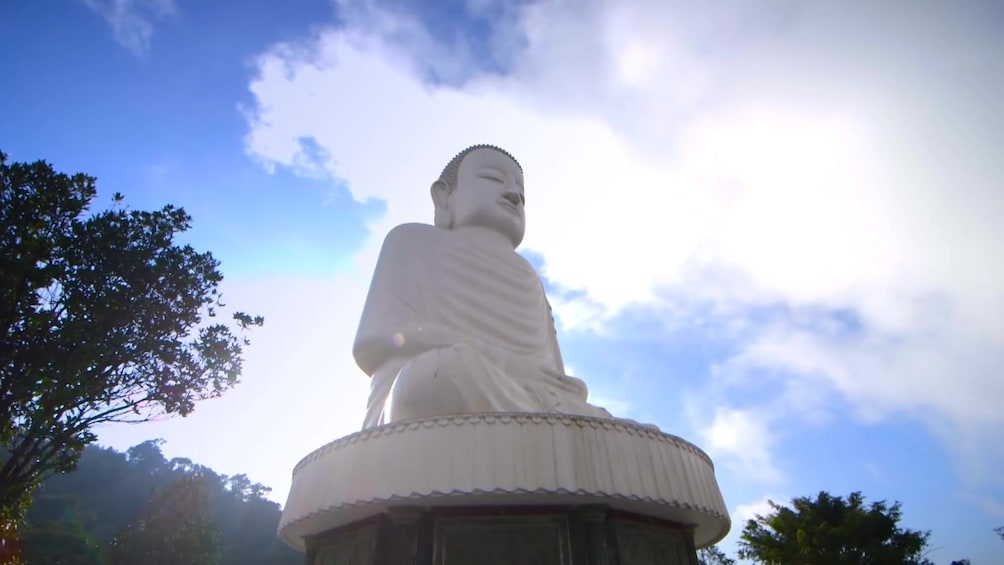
770, 228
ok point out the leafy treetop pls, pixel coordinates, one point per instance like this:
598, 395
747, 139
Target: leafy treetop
101, 320
833, 530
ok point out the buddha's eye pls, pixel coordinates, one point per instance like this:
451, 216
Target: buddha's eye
491, 177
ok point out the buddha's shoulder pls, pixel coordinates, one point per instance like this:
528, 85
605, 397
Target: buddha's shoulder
409, 235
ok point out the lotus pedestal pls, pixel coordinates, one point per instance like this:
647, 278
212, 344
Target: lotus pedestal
505, 488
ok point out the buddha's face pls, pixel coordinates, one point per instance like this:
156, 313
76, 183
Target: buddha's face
489, 194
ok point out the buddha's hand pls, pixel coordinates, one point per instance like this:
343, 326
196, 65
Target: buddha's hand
417, 338
528, 366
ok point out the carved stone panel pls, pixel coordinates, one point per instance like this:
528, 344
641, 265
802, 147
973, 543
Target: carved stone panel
644, 544
535, 540
353, 548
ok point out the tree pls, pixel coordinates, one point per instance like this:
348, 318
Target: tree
711, 555
110, 492
62, 539
59, 544
832, 530
242, 487
101, 320
175, 528
1000, 532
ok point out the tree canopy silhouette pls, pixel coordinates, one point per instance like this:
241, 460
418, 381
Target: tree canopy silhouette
101, 320
833, 530
139, 507
711, 555
174, 527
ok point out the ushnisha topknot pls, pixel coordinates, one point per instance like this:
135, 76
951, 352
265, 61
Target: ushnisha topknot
449, 174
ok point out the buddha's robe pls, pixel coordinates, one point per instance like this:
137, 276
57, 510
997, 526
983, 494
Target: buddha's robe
453, 325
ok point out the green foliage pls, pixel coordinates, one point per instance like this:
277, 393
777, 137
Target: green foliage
101, 320
110, 493
832, 530
174, 528
60, 542
711, 555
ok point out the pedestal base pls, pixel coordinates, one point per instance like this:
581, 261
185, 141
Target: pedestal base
588, 535
501, 480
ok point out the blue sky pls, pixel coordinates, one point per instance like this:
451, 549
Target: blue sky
772, 228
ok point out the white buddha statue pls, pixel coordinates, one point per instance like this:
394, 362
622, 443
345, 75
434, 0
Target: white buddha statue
456, 322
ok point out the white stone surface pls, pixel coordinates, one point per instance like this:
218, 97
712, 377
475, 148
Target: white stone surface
505, 459
456, 322
470, 404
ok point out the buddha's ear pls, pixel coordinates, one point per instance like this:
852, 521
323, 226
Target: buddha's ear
441, 200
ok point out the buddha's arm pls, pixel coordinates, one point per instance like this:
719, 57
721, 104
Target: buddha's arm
553, 336
394, 324
406, 340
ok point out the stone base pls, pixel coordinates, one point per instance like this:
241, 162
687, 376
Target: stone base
587, 535
506, 477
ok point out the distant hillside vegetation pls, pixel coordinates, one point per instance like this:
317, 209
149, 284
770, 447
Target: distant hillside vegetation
138, 507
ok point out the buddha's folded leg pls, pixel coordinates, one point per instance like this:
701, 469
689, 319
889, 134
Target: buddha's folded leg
566, 395
454, 380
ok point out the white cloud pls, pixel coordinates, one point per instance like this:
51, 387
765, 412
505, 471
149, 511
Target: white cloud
616, 406
300, 388
743, 439
874, 470
943, 377
746, 512
742, 514
992, 506
736, 159
133, 20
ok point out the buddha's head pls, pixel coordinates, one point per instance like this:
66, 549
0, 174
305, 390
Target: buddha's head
482, 186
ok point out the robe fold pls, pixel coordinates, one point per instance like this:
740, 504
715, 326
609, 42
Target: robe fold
452, 325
